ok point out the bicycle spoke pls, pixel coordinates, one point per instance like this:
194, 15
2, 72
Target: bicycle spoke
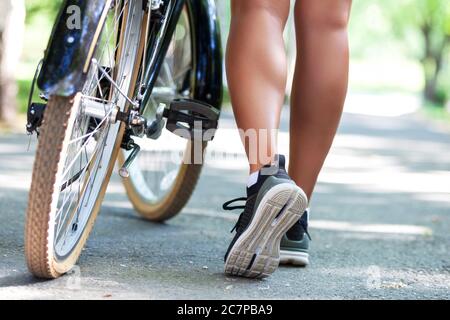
155, 172
86, 160
90, 136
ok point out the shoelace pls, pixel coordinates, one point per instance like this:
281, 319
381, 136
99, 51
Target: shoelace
227, 206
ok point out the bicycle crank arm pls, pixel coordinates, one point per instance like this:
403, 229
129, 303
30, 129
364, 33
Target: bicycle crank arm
189, 119
192, 119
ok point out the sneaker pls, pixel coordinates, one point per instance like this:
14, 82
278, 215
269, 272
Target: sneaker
295, 244
273, 205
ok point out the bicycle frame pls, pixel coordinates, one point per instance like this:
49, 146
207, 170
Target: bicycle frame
208, 51
65, 66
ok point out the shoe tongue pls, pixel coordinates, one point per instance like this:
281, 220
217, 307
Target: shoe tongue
278, 165
281, 161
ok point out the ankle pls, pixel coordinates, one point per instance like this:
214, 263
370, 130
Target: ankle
255, 168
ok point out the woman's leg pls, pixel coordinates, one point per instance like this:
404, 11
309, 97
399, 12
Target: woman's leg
257, 73
320, 85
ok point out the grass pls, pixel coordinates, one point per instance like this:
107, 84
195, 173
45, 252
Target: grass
24, 87
436, 112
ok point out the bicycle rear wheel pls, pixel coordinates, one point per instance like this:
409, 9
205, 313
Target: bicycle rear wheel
77, 151
163, 177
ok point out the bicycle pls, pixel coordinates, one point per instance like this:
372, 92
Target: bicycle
109, 88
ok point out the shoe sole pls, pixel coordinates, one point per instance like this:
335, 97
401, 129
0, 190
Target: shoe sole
256, 254
299, 259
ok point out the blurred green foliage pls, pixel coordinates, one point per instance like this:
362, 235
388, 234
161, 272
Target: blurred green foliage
47, 8
401, 45
430, 20
40, 15
412, 29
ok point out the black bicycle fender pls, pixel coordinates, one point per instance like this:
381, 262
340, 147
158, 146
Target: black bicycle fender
71, 46
208, 46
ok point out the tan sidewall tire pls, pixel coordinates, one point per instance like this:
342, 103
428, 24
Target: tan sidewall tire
179, 194
58, 121
174, 201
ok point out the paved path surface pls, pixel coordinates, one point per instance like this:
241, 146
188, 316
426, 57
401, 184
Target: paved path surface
380, 226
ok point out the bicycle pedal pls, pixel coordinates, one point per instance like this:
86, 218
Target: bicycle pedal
192, 119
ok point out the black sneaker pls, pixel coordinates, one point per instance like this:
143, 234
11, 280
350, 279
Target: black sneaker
295, 244
273, 205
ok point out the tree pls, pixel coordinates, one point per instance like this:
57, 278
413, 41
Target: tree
431, 20
12, 20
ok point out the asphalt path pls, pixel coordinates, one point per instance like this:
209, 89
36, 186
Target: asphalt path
380, 225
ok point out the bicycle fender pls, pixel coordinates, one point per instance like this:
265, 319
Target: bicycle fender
71, 46
209, 63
